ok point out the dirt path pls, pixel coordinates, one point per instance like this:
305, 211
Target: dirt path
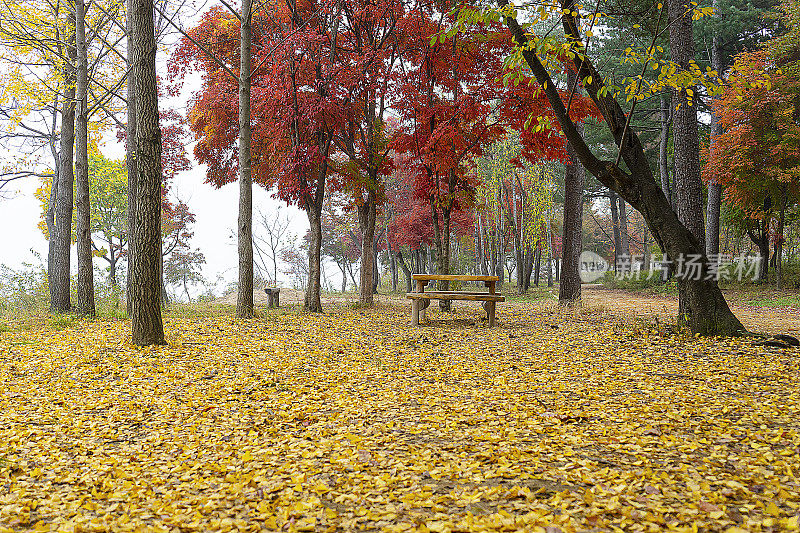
620, 303
757, 319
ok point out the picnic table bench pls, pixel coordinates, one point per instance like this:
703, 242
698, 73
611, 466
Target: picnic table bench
420, 299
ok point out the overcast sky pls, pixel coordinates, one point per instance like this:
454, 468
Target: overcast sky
216, 211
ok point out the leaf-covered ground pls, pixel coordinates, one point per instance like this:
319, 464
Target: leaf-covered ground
355, 420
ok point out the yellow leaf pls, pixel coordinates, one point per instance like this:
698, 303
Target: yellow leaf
773, 509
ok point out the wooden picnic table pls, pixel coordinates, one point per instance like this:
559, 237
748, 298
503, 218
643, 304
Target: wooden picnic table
420, 299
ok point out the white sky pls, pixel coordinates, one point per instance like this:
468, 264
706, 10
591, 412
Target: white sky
216, 213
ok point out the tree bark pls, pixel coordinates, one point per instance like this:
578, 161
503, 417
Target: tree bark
707, 312
685, 138
50, 216
367, 214
779, 238
406, 271
85, 279
714, 202
613, 199
569, 290
130, 153
244, 296
60, 293
145, 282
623, 229
663, 145
313, 297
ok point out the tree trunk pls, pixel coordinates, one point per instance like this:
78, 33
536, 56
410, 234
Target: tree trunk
537, 269
85, 279
613, 198
367, 213
528, 268
686, 144
663, 145
623, 229
376, 275
244, 296
779, 239
569, 290
50, 216
62, 237
406, 270
706, 311
130, 153
392, 268
313, 298
714, 203
145, 281
761, 239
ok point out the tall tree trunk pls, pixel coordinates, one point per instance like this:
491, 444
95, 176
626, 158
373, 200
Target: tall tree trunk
528, 267
623, 229
663, 148
145, 281
706, 311
85, 280
313, 298
613, 198
60, 293
244, 296
686, 142
130, 153
779, 238
406, 271
50, 216
714, 203
367, 214
393, 269
569, 290
537, 269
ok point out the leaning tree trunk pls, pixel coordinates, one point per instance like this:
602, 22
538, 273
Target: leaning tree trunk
569, 290
706, 311
367, 213
85, 280
145, 282
62, 237
244, 296
130, 154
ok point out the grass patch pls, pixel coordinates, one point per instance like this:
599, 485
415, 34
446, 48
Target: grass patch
59, 322
789, 300
4, 328
641, 283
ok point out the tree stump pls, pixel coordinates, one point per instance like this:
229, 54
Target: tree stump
273, 297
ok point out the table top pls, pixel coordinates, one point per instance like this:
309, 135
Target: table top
452, 277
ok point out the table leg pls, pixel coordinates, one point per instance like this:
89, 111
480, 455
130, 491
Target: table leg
490, 312
415, 312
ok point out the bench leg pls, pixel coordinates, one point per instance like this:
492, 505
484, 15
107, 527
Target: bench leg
415, 312
490, 312
423, 306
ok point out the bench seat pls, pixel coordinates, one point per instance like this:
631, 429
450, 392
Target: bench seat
459, 295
